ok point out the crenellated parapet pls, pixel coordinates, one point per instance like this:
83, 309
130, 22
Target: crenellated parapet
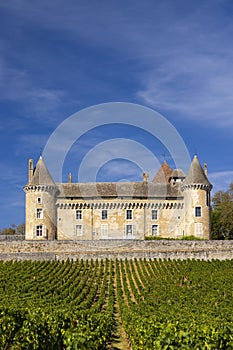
196, 186
120, 205
53, 190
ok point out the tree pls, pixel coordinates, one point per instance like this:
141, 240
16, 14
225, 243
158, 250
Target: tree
20, 230
222, 214
13, 229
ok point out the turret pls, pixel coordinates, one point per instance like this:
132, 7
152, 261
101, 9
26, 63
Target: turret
41, 193
196, 188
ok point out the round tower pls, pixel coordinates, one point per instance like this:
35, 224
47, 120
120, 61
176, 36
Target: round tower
41, 191
196, 188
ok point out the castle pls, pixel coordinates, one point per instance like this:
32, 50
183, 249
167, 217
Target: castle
172, 205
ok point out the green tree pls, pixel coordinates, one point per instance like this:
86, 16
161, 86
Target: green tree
222, 214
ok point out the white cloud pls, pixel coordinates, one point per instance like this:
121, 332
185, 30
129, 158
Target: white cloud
194, 86
221, 180
18, 85
184, 56
33, 143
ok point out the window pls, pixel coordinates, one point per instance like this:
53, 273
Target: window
129, 214
104, 214
154, 214
39, 213
79, 214
129, 230
104, 231
79, 230
39, 200
155, 230
198, 228
39, 230
198, 211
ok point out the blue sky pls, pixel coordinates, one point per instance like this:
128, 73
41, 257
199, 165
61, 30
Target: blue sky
58, 57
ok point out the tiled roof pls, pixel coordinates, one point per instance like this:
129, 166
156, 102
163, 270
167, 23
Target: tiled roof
118, 190
163, 174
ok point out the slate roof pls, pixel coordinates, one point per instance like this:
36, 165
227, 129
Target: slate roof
196, 174
41, 175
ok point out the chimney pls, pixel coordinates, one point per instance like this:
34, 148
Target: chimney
30, 170
70, 178
205, 169
145, 177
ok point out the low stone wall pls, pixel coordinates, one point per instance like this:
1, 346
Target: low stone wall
112, 249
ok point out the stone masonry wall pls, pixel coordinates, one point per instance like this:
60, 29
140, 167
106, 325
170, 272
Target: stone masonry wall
112, 249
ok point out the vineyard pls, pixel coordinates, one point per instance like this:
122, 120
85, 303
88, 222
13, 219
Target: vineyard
82, 304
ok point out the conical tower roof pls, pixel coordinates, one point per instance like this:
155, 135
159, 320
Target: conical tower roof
163, 174
41, 175
196, 174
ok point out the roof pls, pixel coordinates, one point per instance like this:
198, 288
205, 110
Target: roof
118, 190
163, 174
41, 175
178, 173
196, 174
160, 187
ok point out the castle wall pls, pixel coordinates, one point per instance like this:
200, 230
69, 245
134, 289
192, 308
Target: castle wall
112, 249
170, 218
83, 220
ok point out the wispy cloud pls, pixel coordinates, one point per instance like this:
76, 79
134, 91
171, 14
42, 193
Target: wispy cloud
182, 52
204, 91
12, 176
183, 55
18, 86
221, 180
30, 143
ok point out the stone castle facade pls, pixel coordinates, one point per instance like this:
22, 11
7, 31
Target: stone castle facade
172, 205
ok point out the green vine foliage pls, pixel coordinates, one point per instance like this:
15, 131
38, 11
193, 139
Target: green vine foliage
72, 305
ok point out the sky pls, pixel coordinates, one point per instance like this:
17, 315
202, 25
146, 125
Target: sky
58, 58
